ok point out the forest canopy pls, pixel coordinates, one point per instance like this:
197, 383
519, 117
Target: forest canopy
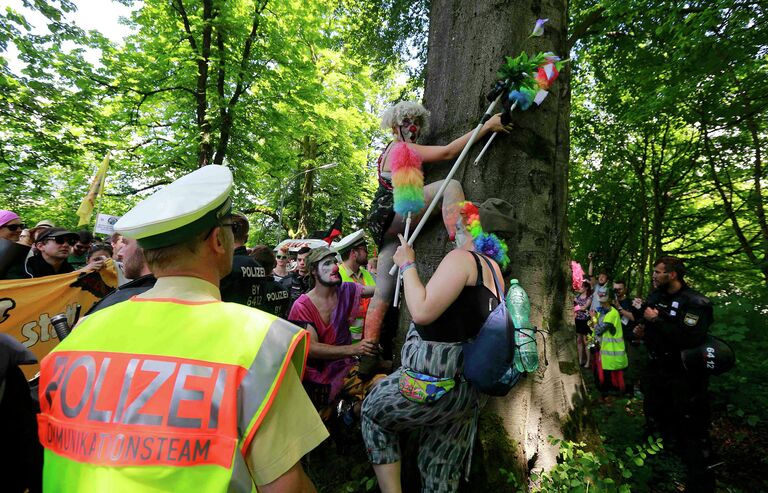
668, 117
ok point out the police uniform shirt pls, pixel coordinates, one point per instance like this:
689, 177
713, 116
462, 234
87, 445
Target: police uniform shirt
249, 285
242, 284
684, 318
296, 285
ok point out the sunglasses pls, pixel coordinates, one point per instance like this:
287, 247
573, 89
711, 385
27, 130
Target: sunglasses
62, 239
14, 227
235, 226
281, 257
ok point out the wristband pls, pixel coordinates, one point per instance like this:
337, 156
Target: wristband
407, 266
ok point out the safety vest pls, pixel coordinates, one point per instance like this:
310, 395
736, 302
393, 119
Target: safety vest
161, 395
613, 353
356, 328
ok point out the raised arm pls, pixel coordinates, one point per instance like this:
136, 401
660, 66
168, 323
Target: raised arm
367, 291
431, 154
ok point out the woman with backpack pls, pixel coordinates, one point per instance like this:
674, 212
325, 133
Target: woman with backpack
429, 393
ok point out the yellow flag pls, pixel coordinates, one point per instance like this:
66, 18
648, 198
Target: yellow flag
86, 207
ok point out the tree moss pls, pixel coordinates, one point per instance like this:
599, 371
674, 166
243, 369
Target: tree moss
493, 451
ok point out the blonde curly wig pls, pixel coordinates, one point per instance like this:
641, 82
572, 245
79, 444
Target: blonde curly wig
395, 115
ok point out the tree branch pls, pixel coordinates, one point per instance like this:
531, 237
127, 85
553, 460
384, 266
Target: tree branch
134, 191
581, 28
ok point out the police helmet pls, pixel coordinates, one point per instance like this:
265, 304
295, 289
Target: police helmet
714, 357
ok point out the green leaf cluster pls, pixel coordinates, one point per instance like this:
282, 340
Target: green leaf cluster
283, 93
669, 123
580, 470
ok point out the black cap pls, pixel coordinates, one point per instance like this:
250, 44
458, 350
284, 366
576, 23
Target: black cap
56, 233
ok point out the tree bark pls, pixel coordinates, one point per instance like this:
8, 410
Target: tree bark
203, 53
304, 219
529, 169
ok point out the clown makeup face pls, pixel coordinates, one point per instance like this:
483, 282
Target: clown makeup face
409, 130
328, 272
461, 232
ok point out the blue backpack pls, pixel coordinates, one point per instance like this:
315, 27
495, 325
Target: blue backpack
489, 356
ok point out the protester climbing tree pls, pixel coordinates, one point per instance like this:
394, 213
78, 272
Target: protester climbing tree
467, 43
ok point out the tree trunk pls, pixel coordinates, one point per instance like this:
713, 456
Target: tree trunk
203, 54
309, 155
529, 168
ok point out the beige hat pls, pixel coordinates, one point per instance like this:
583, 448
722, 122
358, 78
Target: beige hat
318, 254
45, 223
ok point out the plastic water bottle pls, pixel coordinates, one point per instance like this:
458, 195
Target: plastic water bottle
526, 354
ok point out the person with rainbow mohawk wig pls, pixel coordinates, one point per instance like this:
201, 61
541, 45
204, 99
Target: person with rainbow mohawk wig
402, 192
424, 394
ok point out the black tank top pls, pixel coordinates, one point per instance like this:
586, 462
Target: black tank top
464, 317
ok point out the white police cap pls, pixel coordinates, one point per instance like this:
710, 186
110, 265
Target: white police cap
188, 206
350, 241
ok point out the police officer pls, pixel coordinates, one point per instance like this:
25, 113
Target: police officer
174, 390
676, 403
299, 281
249, 283
354, 257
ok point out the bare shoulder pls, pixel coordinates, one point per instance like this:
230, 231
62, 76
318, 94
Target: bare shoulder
458, 256
458, 261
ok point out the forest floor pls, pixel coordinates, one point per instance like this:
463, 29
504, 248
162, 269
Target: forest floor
741, 448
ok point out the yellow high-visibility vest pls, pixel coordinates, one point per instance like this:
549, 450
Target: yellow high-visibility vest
613, 353
356, 328
162, 395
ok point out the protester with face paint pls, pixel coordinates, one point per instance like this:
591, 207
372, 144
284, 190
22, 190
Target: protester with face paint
407, 121
326, 312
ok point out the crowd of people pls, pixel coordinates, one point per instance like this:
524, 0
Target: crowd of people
162, 386
650, 339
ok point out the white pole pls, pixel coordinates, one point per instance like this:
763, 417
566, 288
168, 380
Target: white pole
400, 274
439, 194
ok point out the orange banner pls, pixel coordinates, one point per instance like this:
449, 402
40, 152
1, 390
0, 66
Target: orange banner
27, 305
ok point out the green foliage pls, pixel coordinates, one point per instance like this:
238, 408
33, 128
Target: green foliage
669, 120
272, 90
579, 470
740, 320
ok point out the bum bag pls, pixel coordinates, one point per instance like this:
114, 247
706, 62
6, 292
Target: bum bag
423, 388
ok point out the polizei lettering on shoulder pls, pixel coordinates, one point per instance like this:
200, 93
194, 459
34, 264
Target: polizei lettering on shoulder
124, 409
251, 271
277, 296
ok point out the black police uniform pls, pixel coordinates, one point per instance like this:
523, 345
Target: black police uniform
296, 285
249, 285
676, 401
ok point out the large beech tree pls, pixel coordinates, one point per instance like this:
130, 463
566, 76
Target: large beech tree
467, 43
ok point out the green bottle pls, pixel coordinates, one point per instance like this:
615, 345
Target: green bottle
519, 308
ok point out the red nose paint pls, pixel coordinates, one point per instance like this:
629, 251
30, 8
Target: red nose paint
413, 129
